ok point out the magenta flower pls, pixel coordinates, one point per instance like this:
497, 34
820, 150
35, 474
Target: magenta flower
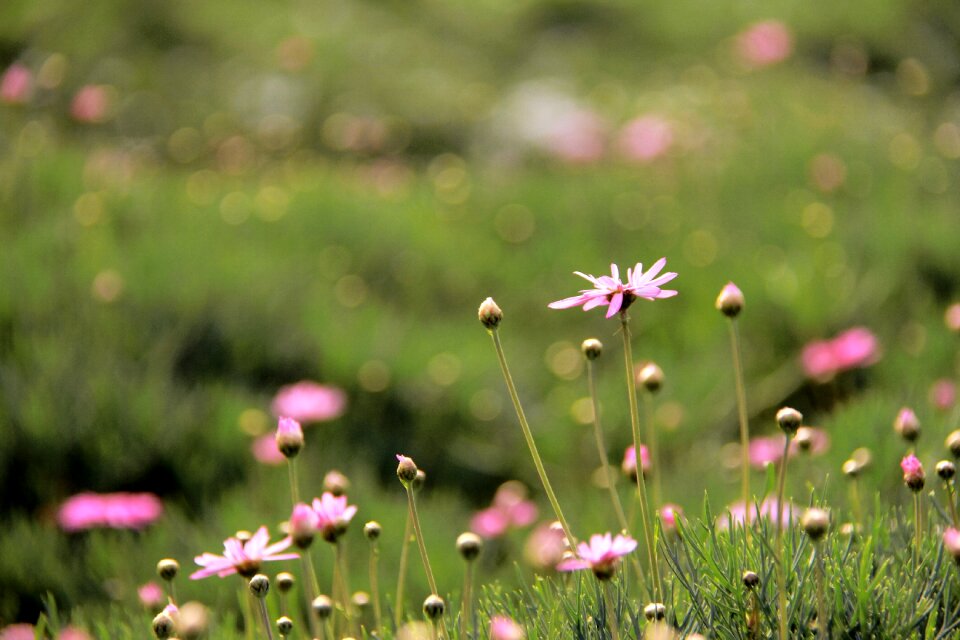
737, 514
504, 628
111, 510
151, 595
618, 296
764, 450
19, 631
241, 558
629, 464
16, 84
951, 542
943, 394
510, 509
74, 633
90, 104
333, 515
601, 555
303, 524
545, 546
308, 401
853, 349
669, 514
646, 138
764, 43
264, 449
913, 475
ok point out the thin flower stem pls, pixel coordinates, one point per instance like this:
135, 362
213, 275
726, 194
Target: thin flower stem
340, 571
412, 503
753, 617
855, 501
172, 591
823, 623
648, 534
528, 435
952, 501
265, 617
375, 586
781, 560
402, 573
742, 413
292, 473
612, 620
467, 597
248, 620
313, 588
917, 528
655, 467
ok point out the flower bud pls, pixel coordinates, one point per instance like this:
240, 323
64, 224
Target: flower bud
302, 525
168, 568
433, 606
913, 475
951, 542
285, 581
469, 545
789, 420
406, 469
243, 536
336, 483
730, 300
750, 579
360, 599
946, 470
372, 530
953, 443
289, 437
851, 468
163, 625
193, 620
419, 480
284, 625
815, 523
490, 314
907, 425
952, 317
804, 438
651, 377
591, 348
654, 611
259, 585
322, 606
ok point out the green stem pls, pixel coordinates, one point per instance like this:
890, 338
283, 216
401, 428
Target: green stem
421, 545
918, 528
465, 604
340, 573
313, 588
612, 621
655, 467
248, 622
648, 534
778, 528
855, 502
375, 586
952, 501
742, 413
823, 623
528, 435
402, 573
265, 617
292, 474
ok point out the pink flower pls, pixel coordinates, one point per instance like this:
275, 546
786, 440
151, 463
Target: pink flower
510, 508
90, 104
669, 513
601, 554
852, 349
736, 513
951, 542
764, 43
21, 631
308, 401
545, 546
151, 595
609, 290
504, 628
577, 137
764, 450
113, 510
629, 464
241, 558
289, 437
16, 85
333, 515
303, 524
265, 450
646, 138
73, 633
913, 475
943, 394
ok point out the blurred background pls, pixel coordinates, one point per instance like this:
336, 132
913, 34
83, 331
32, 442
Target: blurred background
204, 202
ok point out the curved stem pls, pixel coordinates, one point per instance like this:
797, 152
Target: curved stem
528, 435
412, 503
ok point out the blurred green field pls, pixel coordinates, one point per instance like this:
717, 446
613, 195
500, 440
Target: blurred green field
327, 191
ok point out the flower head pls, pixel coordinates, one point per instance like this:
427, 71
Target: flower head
853, 349
669, 514
16, 84
913, 475
303, 525
629, 464
951, 542
151, 595
243, 558
510, 508
264, 449
289, 437
112, 510
504, 628
764, 43
601, 555
308, 401
333, 515
767, 510
617, 295
90, 104
545, 546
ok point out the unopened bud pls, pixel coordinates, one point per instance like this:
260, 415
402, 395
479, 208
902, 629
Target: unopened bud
815, 523
433, 606
469, 545
284, 625
285, 581
360, 599
654, 611
946, 470
804, 438
322, 606
851, 468
490, 314
259, 585
953, 443
289, 437
243, 536
419, 480
951, 542
730, 300
651, 377
302, 525
789, 420
336, 483
913, 475
163, 626
750, 579
907, 425
193, 620
168, 568
406, 469
591, 348
372, 530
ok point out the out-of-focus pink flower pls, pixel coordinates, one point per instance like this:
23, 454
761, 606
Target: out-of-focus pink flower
913, 475
736, 513
764, 43
308, 401
112, 510
577, 137
545, 545
265, 450
90, 104
951, 542
610, 291
16, 85
504, 628
303, 524
629, 464
601, 554
943, 394
74, 633
510, 508
333, 515
151, 595
852, 349
646, 138
20, 631
951, 317
764, 450
243, 558
669, 513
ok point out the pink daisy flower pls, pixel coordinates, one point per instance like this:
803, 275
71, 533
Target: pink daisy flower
333, 515
308, 401
113, 510
617, 295
601, 555
241, 558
